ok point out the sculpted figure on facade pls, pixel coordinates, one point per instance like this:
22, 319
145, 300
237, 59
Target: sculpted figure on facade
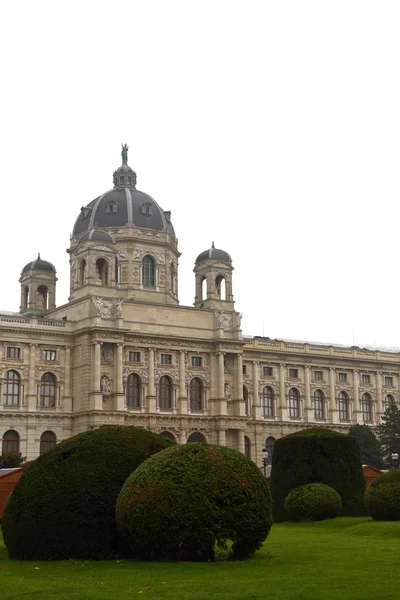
225, 321
105, 387
104, 308
118, 308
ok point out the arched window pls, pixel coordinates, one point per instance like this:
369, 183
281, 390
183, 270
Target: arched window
269, 445
246, 400
26, 297
196, 392
102, 271
196, 437
82, 272
247, 446
168, 435
48, 391
10, 444
47, 441
318, 404
343, 406
220, 287
366, 404
42, 298
165, 393
133, 389
388, 401
294, 404
11, 385
268, 402
204, 288
149, 271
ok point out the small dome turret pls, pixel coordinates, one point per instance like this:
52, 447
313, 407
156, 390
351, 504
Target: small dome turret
214, 253
96, 235
39, 265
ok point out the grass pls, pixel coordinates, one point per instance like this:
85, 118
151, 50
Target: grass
347, 558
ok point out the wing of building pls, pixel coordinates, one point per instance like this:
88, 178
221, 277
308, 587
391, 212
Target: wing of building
123, 351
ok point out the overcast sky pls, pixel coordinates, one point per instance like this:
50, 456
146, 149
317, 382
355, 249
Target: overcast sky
270, 128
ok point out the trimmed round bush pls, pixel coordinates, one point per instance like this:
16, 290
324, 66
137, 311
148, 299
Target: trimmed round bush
313, 502
382, 497
186, 500
318, 455
64, 504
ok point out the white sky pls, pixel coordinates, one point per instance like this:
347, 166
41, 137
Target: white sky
270, 128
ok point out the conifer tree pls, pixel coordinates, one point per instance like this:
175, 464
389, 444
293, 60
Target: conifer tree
389, 433
371, 450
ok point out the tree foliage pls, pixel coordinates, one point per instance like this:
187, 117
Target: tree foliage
63, 506
183, 501
370, 447
382, 498
389, 433
9, 461
313, 502
318, 455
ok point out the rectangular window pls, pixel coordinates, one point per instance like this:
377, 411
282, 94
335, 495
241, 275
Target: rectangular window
318, 375
293, 373
13, 352
244, 369
166, 359
134, 357
343, 377
49, 355
388, 380
267, 371
197, 361
366, 378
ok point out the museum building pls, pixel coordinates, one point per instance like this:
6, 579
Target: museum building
123, 351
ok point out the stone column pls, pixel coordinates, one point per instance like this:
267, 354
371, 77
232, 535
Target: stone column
357, 412
182, 400
332, 412
240, 434
283, 411
239, 406
221, 437
31, 397
378, 411
221, 384
151, 400
308, 411
256, 395
96, 397
67, 398
119, 399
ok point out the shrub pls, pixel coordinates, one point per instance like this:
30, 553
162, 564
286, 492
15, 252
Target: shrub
318, 455
313, 502
382, 497
64, 504
186, 500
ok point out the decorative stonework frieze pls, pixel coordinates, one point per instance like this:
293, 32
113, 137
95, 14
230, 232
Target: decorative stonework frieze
224, 321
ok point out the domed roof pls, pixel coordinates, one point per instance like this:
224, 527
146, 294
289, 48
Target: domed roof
96, 235
39, 265
213, 253
123, 206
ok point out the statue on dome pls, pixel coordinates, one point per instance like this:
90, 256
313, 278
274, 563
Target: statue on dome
124, 153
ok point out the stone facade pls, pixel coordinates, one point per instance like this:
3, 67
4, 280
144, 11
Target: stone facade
123, 351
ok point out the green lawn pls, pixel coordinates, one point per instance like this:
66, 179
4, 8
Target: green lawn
348, 558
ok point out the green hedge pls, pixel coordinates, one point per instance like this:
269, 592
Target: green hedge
382, 497
318, 455
184, 501
64, 504
313, 502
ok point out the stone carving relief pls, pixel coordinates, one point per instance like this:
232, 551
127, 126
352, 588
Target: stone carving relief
135, 274
173, 373
107, 353
228, 365
238, 319
228, 390
124, 275
189, 375
107, 309
224, 321
160, 258
123, 254
105, 387
138, 254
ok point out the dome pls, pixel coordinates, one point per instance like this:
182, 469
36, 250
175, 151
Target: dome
39, 265
123, 206
213, 253
96, 235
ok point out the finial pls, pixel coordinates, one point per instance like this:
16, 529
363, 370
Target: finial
124, 153
38, 255
212, 245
